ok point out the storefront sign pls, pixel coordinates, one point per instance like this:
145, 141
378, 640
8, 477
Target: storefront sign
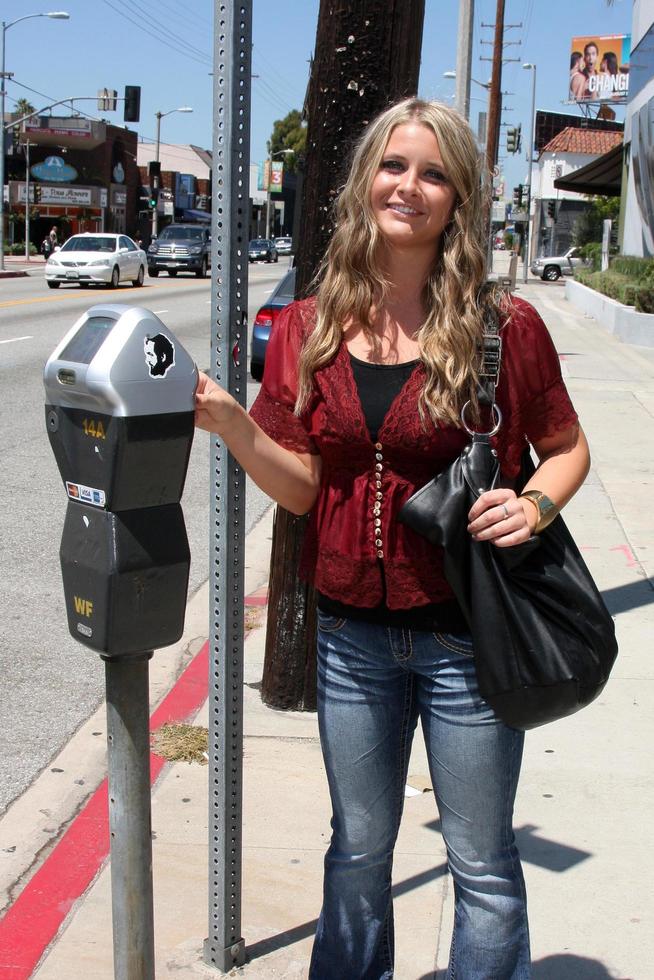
59, 195
81, 128
54, 169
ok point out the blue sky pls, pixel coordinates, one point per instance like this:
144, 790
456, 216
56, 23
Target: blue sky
169, 54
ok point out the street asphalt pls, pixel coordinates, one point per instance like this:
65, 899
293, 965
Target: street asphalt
583, 810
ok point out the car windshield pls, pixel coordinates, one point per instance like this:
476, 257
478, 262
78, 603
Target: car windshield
286, 288
91, 244
180, 234
259, 243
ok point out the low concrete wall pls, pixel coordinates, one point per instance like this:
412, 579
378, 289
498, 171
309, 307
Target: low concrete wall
623, 321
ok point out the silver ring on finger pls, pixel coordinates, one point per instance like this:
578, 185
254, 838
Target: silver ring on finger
506, 511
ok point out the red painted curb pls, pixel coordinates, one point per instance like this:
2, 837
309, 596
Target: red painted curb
33, 921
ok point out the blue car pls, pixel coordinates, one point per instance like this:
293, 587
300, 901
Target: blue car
281, 296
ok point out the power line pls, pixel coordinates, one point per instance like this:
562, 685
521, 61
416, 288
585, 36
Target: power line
160, 40
136, 9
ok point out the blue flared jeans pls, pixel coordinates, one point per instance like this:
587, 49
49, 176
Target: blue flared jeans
374, 682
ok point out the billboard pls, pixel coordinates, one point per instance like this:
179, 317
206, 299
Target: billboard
599, 68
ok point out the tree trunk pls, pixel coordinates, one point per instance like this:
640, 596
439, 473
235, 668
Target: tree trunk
367, 57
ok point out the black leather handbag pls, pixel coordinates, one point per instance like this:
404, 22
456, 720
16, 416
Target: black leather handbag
544, 641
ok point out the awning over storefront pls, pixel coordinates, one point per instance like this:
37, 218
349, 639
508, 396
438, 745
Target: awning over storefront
602, 176
193, 215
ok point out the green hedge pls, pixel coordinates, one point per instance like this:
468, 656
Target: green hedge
18, 248
629, 279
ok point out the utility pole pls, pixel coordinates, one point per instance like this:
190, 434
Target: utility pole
464, 56
495, 94
367, 56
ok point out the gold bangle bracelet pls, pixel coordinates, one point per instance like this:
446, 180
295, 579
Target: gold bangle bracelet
547, 509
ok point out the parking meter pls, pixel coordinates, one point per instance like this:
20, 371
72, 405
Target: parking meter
120, 419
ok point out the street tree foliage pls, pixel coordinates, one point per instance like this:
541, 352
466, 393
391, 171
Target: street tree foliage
589, 226
289, 133
23, 108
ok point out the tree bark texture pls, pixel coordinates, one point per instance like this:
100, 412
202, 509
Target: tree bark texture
367, 57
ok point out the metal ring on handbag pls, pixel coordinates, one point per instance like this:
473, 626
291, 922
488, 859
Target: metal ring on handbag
493, 431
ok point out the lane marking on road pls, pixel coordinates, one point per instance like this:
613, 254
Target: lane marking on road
7, 304
14, 340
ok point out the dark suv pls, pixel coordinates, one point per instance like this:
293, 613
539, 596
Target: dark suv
180, 248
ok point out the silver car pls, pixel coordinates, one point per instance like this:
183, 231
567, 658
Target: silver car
90, 258
552, 267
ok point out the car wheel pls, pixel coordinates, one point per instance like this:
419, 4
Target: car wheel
139, 279
153, 273
277, 258
256, 370
172, 273
269, 259
54, 285
202, 272
551, 273
84, 285
115, 278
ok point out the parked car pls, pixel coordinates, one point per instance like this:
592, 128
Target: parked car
552, 267
180, 248
284, 245
262, 250
90, 258
281, 296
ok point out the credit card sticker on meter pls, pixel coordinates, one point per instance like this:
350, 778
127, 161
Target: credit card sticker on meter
87, 495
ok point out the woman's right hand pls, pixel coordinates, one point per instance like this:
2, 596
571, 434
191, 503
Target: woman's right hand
214, 407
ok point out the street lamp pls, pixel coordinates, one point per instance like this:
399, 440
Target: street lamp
452, 74
486, 85
277, 153
155, 179
54, 15
529, 152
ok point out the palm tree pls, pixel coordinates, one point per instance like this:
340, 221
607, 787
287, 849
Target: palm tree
23, 108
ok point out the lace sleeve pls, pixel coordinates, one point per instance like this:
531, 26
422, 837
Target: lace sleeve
274, 406
531, 393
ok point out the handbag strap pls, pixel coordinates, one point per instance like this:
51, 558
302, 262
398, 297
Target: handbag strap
490, 351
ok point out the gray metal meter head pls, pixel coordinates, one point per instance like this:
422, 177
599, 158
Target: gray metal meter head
120, 409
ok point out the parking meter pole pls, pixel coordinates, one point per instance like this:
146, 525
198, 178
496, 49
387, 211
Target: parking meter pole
119, 414
130, 826
224, 947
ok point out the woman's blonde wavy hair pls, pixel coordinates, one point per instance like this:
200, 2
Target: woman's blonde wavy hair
350, 280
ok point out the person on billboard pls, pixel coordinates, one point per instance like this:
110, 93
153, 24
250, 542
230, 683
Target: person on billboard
591, 55
360, 404
608, 73
577, 77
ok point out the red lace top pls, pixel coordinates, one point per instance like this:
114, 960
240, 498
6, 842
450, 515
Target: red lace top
355, 550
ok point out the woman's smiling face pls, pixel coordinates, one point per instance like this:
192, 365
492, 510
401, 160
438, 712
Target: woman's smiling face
411, 196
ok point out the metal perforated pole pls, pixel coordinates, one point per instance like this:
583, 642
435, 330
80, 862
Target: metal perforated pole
224, 947
130, 823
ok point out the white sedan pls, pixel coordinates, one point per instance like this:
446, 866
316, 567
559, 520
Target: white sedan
96, 258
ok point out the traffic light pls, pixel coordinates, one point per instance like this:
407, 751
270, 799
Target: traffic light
132, 103
513, 139
551, 209
37, 193
517, 197
154, 198
154, 169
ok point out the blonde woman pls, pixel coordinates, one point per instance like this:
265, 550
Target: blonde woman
360, 405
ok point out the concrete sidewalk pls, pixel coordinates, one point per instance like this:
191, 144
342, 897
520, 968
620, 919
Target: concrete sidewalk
17, 266
582, 813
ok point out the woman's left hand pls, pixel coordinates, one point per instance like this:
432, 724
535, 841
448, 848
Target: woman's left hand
502, 518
